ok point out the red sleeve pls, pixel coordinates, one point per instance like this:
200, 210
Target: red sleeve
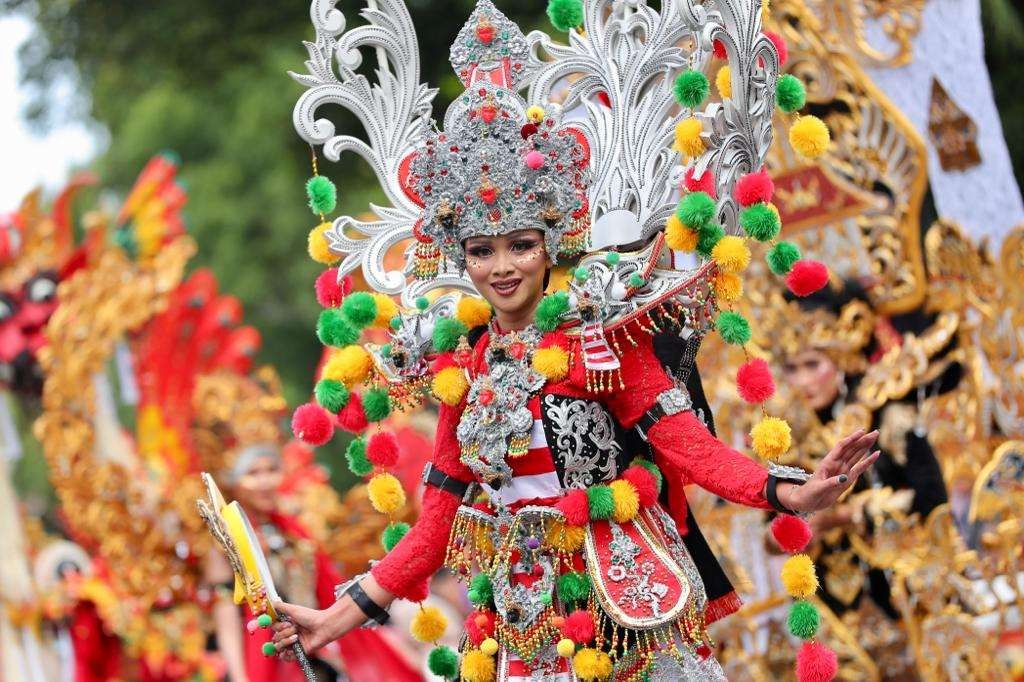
683, 447
421, 552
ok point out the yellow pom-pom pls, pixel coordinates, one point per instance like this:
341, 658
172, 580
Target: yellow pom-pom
728, 287
565, 647
477, 666
552, 362
318, 248
731, 254
723, 80
450, 385
489, 646
809, 136
627, 501
771, 437
349, 365
678, 236
428, 625
564, 537
798, 576
535, 113
688, 139
386, 495
386, 309
591, 664
472, 311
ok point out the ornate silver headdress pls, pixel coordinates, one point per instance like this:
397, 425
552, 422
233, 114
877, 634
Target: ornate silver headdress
619, 71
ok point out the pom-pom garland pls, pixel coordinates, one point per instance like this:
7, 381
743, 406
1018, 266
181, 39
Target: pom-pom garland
382, 450
329, 291
428, 625
809, 136
360, 308
393, 534
376, 404
592, 665
601, 501
688, 139
443, 662
782, 256
626, 501
771, 438
552, 362
690, 88
355, 457
349, 365
733, 327
679, 237
450, 386
550, 311
319, 249
386, 493
565, 538
815, 662
447, 332
479, 626
489, 646
652, 468
312, 424
477, 666
565, 15
352, 418
723, 81
644, 482
780, 46
718, 49
387, 309
790, 94
696, 210
334, 329
754, 381
806, 277
331, 395
731, 254
473, 311
573, 586
803, 620
322, 194
754, 187
791, 532
728, 287
760, 222
565, 647
579, 627
481, 592
575, 506
705, 183
707, 237
798, 576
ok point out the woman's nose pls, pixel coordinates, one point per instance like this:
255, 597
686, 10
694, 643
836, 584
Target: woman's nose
503, 263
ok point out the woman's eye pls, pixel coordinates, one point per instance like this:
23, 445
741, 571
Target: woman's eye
479, 251
523, 246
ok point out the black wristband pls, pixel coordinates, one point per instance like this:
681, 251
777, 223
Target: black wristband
772, 493
649, 419
443, 481
371, 609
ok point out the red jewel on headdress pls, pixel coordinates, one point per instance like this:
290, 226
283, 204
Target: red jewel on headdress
488, 193
517, 349
485, 32
486, 396
494, 216
488, 112
528, 129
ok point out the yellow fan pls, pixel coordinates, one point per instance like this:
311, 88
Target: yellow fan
230, 527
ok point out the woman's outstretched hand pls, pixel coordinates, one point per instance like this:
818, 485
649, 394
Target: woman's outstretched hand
836, 473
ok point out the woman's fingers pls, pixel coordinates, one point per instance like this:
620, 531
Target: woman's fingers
862, 466
856, 449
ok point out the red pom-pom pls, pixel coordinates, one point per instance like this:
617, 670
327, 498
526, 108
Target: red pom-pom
780, 46
329, 291
791, 532
476, 632
718, 47
645, 483
382, 450
312, 424
576, 507
754, 381
754, 187
706, 183
806, 277
352, 418
579, 627
815, 662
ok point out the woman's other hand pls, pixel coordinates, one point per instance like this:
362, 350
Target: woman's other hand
836, 473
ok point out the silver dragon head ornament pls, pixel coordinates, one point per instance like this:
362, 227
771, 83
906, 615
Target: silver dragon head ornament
595, 171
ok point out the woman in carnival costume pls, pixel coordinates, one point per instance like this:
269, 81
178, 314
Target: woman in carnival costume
577, 570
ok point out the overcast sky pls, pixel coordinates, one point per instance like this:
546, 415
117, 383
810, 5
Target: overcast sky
27, 159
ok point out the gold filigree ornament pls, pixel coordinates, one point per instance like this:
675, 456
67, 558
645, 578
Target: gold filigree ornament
860, 24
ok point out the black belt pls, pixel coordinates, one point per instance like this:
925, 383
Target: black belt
439, 479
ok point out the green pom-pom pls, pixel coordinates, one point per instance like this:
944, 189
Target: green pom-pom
396, 322
550, 310
264, 620
803, 620
545, 599
393, 534
581, 274
612, 258
790, 94
652, 467
323, 195
422, 303
696, 210
733, 327
601, 502
334, 329
573, 586
385, 350
447, 332
269, 649
376, 404
481, 592
565, 15
691, 88
443, 662
359, 308
331, 395
707, 237
355, 455
782, 256
760, 222
636, 280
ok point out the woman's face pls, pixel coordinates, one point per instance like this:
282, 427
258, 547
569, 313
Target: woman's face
257, 487
815, 377
509, 272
